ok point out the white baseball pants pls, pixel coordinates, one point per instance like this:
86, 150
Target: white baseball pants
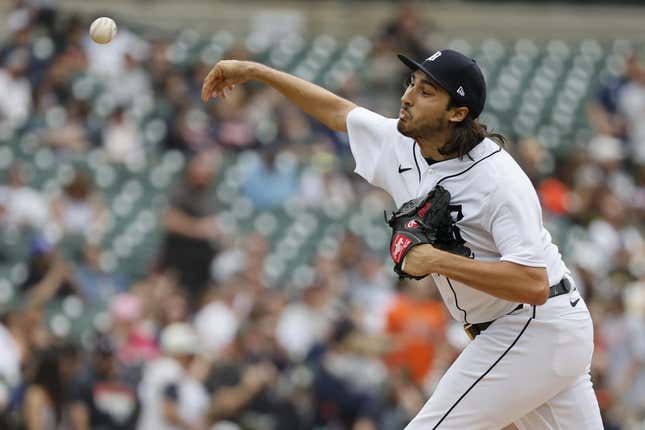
530, 368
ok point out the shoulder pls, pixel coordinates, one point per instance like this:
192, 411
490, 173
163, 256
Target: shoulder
493, 172
360, 117
508, 185
496, 164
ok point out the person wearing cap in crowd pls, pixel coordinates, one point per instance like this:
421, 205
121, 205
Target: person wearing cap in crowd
171, 398
529, 360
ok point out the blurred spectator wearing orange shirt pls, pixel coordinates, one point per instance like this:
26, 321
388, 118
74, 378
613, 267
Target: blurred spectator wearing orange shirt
417, 322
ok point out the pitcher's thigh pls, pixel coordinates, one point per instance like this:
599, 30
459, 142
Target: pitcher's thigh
576, 407
498, 378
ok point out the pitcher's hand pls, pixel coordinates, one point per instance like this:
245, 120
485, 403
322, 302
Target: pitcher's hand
224, 76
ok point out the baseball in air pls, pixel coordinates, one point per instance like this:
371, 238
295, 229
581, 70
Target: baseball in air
103, 30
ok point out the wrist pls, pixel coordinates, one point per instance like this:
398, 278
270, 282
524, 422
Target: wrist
430, 254
256, 71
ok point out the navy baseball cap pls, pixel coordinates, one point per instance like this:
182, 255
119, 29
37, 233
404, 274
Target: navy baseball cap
456, 73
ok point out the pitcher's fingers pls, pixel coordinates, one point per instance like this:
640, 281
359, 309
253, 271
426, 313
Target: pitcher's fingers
209, 83
210, 87
206, 92
206, 87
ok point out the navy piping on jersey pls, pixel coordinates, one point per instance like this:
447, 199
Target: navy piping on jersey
442, 179
469, 167
489, 369
414, 154
456, 302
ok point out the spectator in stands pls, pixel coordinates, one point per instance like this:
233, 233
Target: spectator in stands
47, 398
406, 32
320, 184
171, 398
190, 131
618, 109
234, 129
632, 107
15, 105
191, 228
103, 398
75, 133
246, 385
402, 399
21, 206
622, 331
345, 382
272, 181
370, 291
603, 111
131, 87
11, 363
174, 308
79, 210
132, 335
416, 322
409, 32
96, 285
218, 320
305, 322
70, 59
122, 139
48, 274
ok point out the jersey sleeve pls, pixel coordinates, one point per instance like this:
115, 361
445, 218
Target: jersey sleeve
516, 224
367, 131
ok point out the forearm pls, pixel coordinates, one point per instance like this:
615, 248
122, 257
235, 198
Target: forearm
318, 102
505, 280
43, 291
182, 224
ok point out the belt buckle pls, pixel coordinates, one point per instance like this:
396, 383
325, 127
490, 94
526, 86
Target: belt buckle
467, 328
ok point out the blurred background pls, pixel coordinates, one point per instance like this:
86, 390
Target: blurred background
166, 264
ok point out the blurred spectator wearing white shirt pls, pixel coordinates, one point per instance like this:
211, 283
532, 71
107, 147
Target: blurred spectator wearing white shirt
15, 103
122, 138
217, 322
10, 359
321, 187
133, 84
622, 331
632, 106
171, 397
305, 322
21, 205
79, 210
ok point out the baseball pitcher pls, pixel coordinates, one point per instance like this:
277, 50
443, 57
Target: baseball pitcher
469, 217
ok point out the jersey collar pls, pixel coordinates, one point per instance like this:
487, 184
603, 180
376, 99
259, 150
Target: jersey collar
453, 165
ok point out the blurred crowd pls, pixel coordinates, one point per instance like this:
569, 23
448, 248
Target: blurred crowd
206, 339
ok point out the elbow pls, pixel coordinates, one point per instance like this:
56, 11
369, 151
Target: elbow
540, 290
540, 294
537, 281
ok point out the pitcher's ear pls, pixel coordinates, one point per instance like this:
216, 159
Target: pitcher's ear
457, 114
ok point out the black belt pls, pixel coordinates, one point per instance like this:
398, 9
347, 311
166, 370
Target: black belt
562, 287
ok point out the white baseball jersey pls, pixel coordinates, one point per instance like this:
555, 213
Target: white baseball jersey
531, 365
499, 214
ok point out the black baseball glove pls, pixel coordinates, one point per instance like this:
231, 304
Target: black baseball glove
424, 220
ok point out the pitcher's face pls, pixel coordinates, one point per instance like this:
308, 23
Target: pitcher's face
424, 108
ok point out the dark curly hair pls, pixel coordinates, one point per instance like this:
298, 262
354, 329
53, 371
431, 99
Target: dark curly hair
467, 134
